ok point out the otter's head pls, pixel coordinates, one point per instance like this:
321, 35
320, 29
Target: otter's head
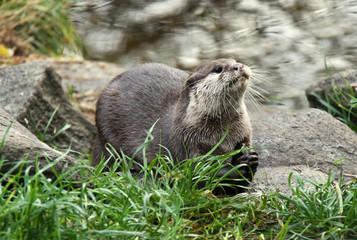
217, 88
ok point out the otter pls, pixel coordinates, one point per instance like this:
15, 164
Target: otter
192, 113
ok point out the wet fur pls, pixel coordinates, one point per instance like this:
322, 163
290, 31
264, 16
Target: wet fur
194, 111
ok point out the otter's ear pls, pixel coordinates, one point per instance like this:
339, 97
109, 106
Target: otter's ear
193, 79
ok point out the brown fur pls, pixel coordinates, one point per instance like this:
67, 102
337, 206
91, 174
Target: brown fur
193, 111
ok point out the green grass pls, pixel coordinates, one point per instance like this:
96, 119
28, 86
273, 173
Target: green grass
42, 133
43, 26
342, 104
166, 204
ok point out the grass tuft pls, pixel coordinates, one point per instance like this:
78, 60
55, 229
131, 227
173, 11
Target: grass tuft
165, 202
342, 104
325, 211
38, 25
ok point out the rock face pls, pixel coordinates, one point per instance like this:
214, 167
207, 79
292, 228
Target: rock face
20, 144
31, 92
307, 141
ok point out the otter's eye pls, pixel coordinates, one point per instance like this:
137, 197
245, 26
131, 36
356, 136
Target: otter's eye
217, 69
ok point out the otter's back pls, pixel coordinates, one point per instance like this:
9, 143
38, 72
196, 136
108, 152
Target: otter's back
133, 101
150, 87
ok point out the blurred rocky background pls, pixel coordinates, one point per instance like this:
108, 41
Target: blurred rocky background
284, 41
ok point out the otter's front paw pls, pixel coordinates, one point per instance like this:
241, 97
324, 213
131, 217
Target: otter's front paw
240, 179
250, 158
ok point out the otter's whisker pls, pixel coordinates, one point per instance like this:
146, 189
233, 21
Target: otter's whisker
255, 102
257, 94
234, 101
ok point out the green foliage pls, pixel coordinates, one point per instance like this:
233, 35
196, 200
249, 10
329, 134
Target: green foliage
42, 133
70, 93
42, 25
326, 211
342, 104
164, 202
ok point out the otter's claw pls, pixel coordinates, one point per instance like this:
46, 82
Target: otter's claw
250, 158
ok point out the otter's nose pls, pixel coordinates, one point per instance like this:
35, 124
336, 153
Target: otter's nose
238, 67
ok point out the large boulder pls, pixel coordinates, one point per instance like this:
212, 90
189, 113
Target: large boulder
31, 92
308, 142
19, 146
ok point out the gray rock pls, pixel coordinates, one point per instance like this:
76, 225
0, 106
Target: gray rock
18, 145
277, 178
31, 92
308, 141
